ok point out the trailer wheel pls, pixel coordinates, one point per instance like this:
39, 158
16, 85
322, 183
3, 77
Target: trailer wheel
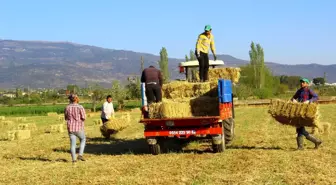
219, 147
229, 128
155, 149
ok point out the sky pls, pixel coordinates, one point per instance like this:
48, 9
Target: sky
291, 32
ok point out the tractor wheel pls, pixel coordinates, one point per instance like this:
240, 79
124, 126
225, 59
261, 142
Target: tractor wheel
155, 149
229, 128
217, 148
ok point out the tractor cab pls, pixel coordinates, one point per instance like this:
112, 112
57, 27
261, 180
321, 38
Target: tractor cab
191, 67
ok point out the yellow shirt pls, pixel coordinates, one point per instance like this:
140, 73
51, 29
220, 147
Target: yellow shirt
204, 43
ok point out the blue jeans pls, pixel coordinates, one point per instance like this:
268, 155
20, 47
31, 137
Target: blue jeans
73, 136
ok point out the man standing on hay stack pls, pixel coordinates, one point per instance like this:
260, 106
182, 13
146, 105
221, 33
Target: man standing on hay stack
152, 78
74, 115
204, 42
305, 95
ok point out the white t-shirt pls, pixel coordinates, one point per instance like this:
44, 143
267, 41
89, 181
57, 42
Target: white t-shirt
107, 110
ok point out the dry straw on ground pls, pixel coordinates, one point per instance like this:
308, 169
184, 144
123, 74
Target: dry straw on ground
52, 114
294, 114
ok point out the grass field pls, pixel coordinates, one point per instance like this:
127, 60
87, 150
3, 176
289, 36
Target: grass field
59, 108
261, 153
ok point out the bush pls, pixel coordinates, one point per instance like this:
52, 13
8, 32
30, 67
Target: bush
263, 93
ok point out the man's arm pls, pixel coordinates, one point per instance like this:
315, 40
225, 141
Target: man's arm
198, 46
160, 78
313, 95
65, 114
212, 46
105, 110
296, 95
82, 113
143, 78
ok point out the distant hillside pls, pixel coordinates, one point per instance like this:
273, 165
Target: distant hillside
56, 64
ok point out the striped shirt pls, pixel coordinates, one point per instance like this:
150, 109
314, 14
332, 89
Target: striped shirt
74, 115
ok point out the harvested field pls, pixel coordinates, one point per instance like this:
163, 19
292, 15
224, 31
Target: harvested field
261, 153
295, 114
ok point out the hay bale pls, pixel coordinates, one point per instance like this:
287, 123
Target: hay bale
294, 113
7, 123
187, 107
97, 122
117, 124
23, 127
21, 119
230, 73
181, 89
11, 135
126, 116
57, 128
22, 134
2, 118
60, 118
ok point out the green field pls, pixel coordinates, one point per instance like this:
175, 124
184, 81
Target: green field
44, 109
263, 152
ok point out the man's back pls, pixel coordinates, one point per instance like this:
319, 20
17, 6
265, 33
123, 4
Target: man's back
151, 75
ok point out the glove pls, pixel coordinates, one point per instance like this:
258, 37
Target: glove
215, 57
198, 55
306, 102
294, 100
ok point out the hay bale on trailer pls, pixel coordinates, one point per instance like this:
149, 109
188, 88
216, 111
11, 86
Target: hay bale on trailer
294, 113
187, 107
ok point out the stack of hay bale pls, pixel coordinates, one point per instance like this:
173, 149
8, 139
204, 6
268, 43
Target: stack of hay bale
294, 113
186, 99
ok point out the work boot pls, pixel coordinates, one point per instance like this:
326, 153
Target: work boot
299, 141
316, 141
80, 158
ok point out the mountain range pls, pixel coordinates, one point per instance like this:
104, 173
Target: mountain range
43, 64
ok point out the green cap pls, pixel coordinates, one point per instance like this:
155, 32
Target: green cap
207, 28
304, 80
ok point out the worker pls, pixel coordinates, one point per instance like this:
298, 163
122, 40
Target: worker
305, 95
107, 110
74, 115
204, 41
152, 78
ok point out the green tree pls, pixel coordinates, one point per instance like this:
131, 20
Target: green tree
164, 64
142, 64
192, 55
73, 88
319, 81
257, 61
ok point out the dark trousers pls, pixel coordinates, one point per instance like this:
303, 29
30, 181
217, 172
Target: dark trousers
104, 120
301, 131
153, 93
203, 60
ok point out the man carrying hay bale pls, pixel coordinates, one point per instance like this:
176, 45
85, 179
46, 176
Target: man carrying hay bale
107, 110
204, 41
152, 78
74, 114
305, 95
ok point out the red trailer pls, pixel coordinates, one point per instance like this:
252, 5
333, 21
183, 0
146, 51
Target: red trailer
220, 129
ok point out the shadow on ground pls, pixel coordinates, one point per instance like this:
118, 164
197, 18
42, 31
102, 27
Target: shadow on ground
252, 147
102, 146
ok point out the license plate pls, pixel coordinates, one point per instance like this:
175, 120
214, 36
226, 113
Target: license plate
182, 132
